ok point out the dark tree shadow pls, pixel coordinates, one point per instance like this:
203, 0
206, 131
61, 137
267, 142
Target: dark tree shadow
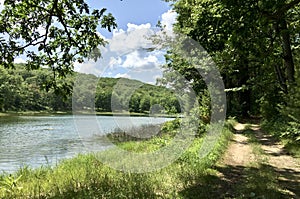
264, 181
245, 182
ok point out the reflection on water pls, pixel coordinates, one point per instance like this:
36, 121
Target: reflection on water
36, 141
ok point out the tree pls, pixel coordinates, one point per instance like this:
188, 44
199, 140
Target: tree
10, 86
51, 34
248, 40
145, 104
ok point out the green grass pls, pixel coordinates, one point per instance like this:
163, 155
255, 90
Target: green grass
34, 113
292, 148
3, 114
256, 179
86, 177
46, 113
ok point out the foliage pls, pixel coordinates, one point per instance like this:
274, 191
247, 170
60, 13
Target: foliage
9, 184
20, 90
287, 125
292, 132
291, 111
144, 132
53, 33
255, 45
135, 96
248, 41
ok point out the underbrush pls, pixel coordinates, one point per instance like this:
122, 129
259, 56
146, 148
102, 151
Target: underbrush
86, 177
287, 132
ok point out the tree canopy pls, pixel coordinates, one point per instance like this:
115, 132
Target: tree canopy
255, 45
20, 91
52, 34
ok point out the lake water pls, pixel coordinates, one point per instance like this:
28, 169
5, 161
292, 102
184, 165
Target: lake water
44, 140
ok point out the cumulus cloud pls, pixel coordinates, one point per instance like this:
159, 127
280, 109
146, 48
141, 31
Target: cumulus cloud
132, 27
89, 67
122, 75
168, 19
136, 60
114, 61
131, 53
145, 76
135, 37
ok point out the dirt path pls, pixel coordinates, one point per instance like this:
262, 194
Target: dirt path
239, 153
255, 166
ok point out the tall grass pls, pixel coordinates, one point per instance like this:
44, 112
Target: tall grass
86, 177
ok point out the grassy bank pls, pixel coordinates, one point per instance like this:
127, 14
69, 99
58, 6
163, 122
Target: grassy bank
86, 177
47, 113
34, 113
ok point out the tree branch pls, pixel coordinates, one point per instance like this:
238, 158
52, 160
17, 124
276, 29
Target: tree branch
288, 6
61, 20
280, 12
31, 43
49, 21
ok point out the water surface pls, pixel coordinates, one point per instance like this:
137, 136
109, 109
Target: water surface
45, 140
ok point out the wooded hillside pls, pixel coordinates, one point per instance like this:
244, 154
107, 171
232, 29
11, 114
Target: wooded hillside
23, 90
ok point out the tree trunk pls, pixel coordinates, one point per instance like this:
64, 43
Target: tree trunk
245, 94
287, 52
281, 78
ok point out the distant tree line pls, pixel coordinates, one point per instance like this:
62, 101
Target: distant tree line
25, 90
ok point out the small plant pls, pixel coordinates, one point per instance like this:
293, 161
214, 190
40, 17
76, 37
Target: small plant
10, 184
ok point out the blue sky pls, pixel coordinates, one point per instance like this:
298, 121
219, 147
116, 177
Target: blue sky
132, 11
124, 56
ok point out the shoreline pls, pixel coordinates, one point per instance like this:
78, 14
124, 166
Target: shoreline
57, 113
94, 178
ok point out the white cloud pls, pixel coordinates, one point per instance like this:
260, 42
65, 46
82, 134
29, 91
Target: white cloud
20, 60
145, 76
115, 61
131, 53
117, 32
132, 27
135, 60
136, 37
89, 67
168, 19
122, 75
1, 4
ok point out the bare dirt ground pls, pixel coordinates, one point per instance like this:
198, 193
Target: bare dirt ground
241, 165
240, 151
254, 166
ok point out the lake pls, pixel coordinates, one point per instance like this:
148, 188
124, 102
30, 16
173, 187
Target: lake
45, 140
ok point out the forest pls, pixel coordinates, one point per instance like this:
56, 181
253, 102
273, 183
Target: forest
256, 46
24, 90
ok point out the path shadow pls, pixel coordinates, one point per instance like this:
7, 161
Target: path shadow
263, 181
258, 136
245, 182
